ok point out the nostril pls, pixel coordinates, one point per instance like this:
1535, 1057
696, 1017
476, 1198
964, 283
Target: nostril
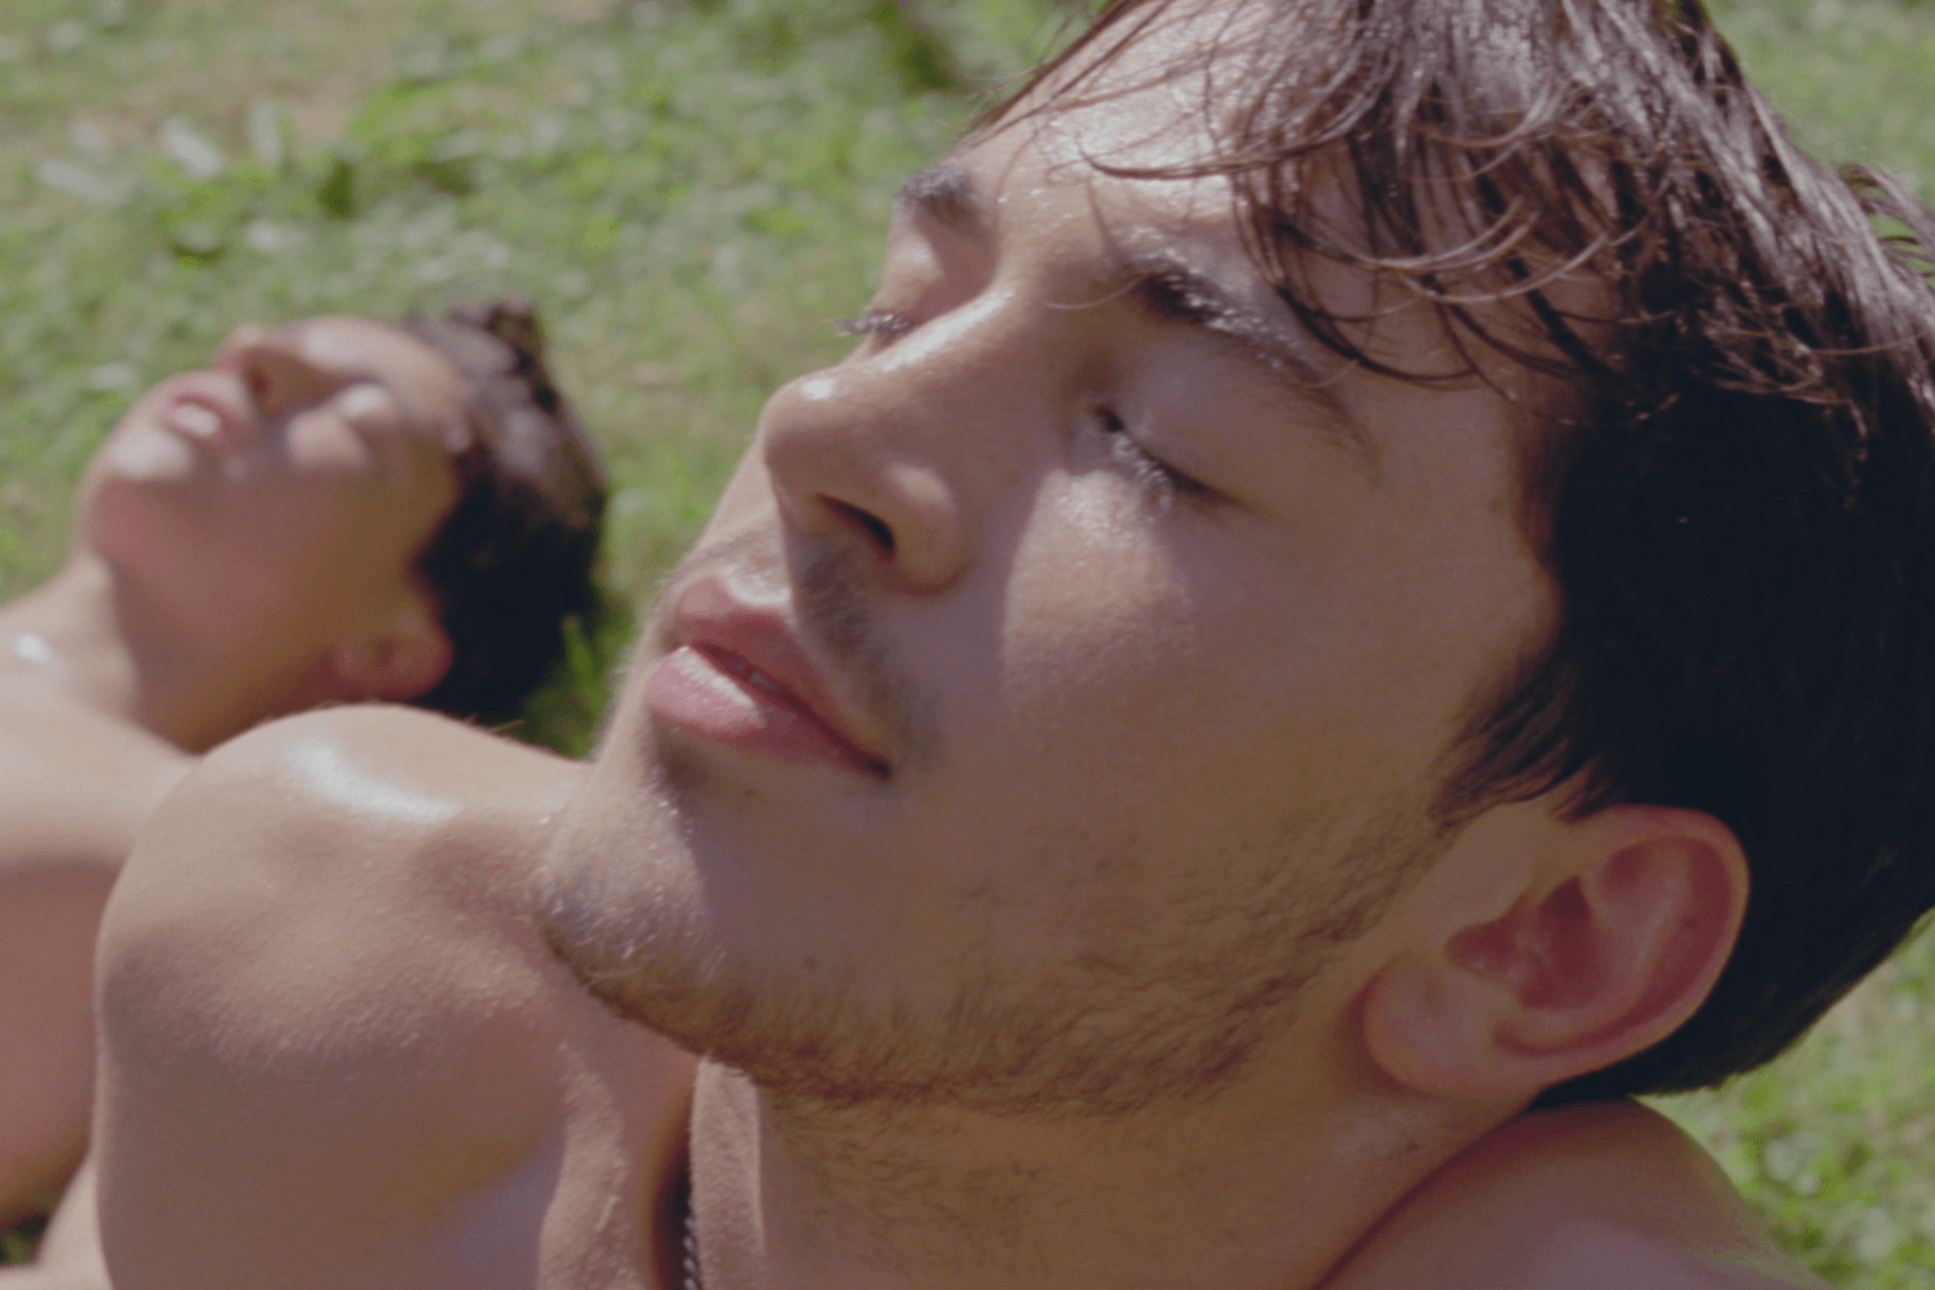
872, 525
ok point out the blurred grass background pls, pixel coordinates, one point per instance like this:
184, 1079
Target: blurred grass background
693, 191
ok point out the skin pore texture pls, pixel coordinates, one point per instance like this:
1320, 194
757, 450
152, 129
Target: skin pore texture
243, 549
1021, 796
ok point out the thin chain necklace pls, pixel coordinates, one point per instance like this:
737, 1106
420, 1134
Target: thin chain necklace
693, 1279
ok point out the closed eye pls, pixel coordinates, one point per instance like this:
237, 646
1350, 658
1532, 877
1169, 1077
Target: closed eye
876, 322
1156, 478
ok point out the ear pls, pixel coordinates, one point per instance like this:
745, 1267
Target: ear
1613, 939
395, 661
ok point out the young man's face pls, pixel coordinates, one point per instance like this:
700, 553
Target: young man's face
1065, 672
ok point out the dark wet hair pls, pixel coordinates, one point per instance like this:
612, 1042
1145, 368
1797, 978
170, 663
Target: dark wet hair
1738, 504
512, 565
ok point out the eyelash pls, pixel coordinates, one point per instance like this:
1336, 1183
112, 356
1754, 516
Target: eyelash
876, 322
1157, 479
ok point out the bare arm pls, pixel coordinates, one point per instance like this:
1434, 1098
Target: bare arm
44, 1278
74, 790
70, 1253
47, 926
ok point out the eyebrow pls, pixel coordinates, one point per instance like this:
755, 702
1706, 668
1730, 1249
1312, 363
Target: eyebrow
1169, 291
358, 374
943, 192
1172, 292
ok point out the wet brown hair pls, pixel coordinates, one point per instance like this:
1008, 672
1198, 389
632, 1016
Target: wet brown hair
1738, 505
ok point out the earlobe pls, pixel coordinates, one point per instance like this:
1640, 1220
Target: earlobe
1614, 941
404, 659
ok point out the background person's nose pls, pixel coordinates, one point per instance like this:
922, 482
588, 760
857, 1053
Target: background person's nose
272, 369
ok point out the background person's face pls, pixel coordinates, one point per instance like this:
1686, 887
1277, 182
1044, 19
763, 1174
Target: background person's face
288, 485
1151, 748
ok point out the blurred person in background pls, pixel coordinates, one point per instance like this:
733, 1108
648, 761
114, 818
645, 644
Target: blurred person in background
332, 511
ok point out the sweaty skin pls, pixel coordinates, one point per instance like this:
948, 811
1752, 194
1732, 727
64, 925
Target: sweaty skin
1022, 796
1603, 1196
243, 548
334, 1016
403, 1089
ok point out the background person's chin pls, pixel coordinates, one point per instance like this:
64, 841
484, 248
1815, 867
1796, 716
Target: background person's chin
148, 456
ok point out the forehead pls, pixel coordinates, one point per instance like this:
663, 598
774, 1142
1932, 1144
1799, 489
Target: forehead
1115, 156
1133, 138
1157, 89
1058, 192
1067, 191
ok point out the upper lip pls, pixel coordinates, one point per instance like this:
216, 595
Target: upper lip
710, 617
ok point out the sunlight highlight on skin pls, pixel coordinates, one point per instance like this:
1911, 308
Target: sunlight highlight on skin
331, 774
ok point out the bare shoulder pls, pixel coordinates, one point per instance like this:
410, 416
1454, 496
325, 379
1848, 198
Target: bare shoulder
360, 831
324, 1009
329, 882
75, 787
75, 784
1604, 1196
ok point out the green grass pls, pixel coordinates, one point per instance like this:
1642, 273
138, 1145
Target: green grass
1856, 78
1835, 1143
693, 191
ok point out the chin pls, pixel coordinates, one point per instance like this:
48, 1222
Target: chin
844, 1027
836, 1039
133, 520
679, 914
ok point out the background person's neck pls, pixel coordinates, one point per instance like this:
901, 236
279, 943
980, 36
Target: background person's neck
88, 635
66, 635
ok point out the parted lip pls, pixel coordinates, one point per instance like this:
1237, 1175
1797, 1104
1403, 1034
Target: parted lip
757, 644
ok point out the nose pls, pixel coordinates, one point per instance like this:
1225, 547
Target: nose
902, 453
272, 368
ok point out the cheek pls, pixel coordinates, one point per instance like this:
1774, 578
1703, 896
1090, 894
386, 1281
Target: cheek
342, 548
1130, 669
1094, 612
1165, 668
746, 504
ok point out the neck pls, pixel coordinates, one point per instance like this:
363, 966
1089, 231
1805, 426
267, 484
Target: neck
1268, 1186
67, 634
90, 636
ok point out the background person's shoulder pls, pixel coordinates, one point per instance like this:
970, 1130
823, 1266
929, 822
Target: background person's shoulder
75, 784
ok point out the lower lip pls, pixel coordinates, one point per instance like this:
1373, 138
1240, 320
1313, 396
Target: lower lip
693, 692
